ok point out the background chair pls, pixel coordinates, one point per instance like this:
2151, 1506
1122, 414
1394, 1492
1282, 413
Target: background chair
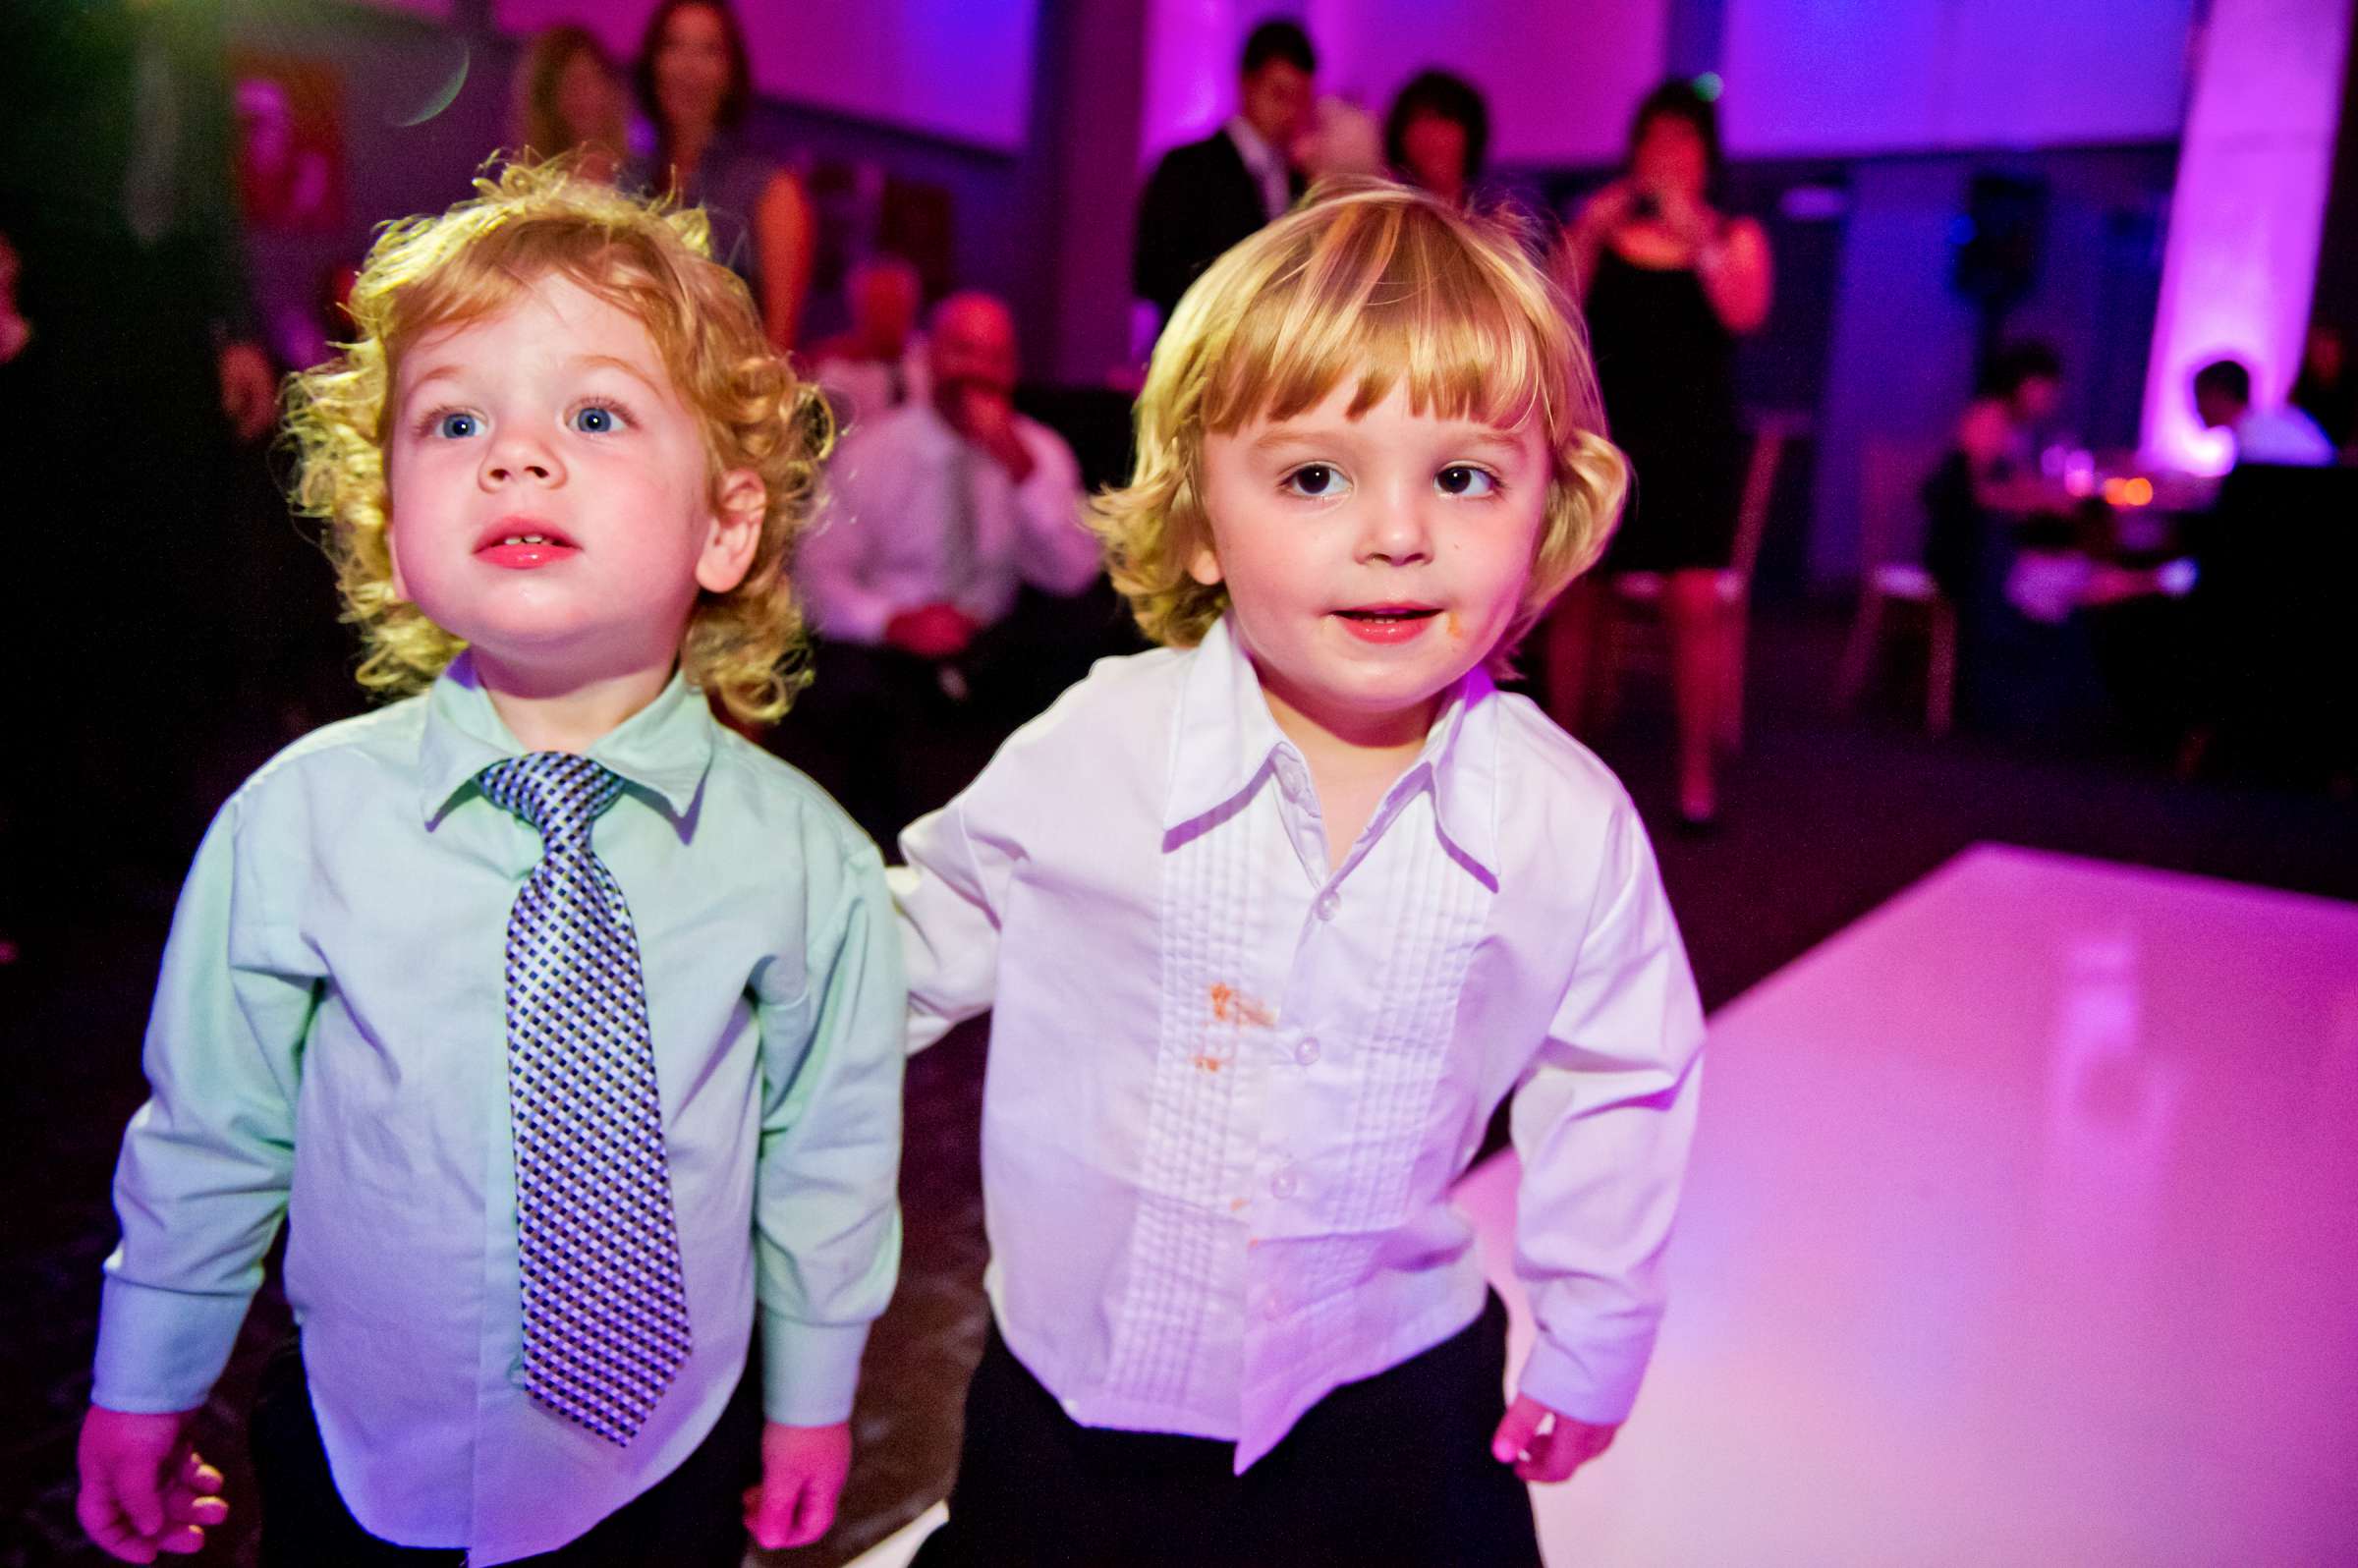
1896, 595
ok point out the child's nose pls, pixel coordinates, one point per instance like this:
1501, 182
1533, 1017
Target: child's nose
1398, 531
516, 461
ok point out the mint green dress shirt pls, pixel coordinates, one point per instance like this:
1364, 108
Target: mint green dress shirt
329, 1045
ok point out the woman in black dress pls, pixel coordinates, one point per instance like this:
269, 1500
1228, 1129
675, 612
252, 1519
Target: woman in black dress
1668, 284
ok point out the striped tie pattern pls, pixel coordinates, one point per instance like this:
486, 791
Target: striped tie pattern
606, 1307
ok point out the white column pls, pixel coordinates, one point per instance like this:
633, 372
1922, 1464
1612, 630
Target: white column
2253, 167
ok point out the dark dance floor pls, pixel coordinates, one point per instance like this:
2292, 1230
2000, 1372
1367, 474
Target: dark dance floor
1825, 818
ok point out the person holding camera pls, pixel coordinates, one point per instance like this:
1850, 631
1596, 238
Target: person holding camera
1668, 283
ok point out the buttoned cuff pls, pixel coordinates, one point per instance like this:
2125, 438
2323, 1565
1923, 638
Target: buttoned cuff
1599, 1387
160, 1351
809, 1371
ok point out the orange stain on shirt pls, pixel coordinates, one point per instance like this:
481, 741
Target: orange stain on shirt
1230, 1007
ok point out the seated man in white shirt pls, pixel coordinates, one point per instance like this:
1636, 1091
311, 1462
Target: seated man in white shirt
938, 513
878, 365
2222, 399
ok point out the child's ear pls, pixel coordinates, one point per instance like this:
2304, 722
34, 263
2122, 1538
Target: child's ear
1205, 567
739, 500
401, 588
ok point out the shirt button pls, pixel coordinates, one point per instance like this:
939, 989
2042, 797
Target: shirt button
1285, 1183
1326, 906
1306, 1050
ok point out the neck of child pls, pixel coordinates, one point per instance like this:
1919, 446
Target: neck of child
553, 711
1350, 742
1354, 756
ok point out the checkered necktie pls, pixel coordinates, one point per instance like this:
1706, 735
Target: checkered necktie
605, 1310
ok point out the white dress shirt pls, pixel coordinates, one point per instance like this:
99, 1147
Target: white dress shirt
1265, 163
1230, 1086
863, 390
899, 490
2284, 435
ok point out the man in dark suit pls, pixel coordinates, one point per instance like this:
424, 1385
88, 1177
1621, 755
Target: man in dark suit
1206, 196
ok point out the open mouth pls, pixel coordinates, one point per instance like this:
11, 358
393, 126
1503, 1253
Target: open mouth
522, 543
1388, 623
1382, 614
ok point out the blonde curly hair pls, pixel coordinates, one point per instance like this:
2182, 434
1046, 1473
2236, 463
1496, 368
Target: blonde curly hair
1375, 281
527, 222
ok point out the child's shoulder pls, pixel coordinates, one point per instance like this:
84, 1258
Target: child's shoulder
783, 795
1544, 771
1123, 702
1105, 739
365, 742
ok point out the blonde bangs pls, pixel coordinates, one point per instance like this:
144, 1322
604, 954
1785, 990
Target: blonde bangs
1380, 287
1392, 303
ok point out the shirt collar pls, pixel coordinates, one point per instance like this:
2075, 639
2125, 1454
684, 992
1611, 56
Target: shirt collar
1253, 146
662, 750
1226, 742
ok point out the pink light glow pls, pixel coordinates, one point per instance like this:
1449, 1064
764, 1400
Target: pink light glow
2253, 169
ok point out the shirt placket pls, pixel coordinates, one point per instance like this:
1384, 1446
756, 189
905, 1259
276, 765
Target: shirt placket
1316, 1014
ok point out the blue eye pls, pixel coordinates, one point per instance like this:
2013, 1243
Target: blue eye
597, 419
1464, 478
1317, 482
457, 426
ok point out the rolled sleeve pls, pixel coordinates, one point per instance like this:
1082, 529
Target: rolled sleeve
208, 1161
1602, 1122
827, 1218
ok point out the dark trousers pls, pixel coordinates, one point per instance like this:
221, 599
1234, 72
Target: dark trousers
692, 1518
1392, 1469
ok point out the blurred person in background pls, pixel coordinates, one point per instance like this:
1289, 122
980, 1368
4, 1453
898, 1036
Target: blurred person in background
571, 100
1438, 134
1206, 196
879, 362
2326, 390
939, 512
2286, 435
1343, 140
695, 81
138, 372
1669, 283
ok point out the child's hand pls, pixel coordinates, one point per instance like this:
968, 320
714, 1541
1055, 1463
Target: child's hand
1550, 1455
143, 1489
803, 1468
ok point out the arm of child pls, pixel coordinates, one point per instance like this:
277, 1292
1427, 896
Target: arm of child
827, 1219
1601, 1122
200, 1190
947, 897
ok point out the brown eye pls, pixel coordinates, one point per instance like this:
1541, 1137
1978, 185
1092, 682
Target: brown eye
1316, 480
1464, 478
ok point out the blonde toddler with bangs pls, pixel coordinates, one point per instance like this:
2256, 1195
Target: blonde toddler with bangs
1271, 919
564, 1021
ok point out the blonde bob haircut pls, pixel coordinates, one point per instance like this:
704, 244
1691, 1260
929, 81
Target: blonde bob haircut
1382, 286
527, 222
